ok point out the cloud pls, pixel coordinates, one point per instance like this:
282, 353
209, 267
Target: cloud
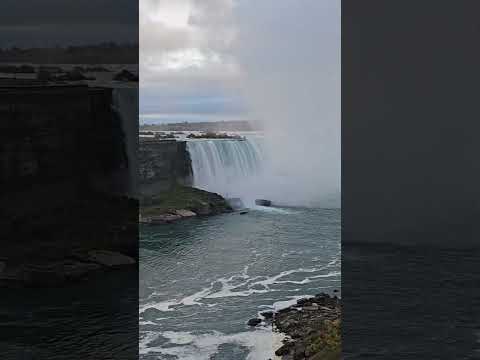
184, 52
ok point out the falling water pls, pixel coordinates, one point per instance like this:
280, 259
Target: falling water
224, 166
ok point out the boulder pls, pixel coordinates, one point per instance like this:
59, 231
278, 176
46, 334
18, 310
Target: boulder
185, 213
163, 218
267, 314
285, 349
202, 208
254, 322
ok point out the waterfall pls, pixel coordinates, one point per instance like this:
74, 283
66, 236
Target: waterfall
125, 104
225, 166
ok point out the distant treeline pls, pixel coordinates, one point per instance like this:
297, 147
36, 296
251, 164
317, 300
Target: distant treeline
206, 126
105, 53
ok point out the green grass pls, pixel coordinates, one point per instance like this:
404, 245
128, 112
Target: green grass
180, 197
327, 344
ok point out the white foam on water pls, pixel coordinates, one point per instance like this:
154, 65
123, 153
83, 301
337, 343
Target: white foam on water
273, 209
230, 287
261, 343
160, 306
280, 305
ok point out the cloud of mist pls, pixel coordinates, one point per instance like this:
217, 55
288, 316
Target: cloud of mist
289, 54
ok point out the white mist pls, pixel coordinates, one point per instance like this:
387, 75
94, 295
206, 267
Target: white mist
290, 62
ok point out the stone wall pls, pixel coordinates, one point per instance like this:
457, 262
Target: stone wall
162, 164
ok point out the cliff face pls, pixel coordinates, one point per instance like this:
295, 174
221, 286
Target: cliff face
162, 165
63, 174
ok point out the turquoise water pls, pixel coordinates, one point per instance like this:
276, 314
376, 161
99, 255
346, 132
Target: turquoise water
201, 280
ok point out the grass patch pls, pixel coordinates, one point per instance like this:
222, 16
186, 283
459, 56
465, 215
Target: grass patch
182, 197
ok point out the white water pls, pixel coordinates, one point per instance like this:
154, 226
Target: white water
245, 169
226, 166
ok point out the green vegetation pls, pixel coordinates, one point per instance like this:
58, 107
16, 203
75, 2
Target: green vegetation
327, 343
184, 197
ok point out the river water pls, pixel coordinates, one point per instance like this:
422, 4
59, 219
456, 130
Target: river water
201, 280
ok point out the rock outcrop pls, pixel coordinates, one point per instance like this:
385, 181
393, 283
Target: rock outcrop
179, 203
311, 328
162, 165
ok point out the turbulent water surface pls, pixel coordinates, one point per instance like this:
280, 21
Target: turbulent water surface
201, 280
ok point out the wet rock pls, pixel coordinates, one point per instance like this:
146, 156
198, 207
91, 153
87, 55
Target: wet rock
304, 301
311, 307
185, 213
285, 349
267, 314
254, 322
202, 208
306, 324
243, 212
263, 202
163, 218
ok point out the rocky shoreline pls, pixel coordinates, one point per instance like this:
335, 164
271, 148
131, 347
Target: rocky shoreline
182, 202
312, 328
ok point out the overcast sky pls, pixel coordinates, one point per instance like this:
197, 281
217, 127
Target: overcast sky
37, 23
194, 54
186, 70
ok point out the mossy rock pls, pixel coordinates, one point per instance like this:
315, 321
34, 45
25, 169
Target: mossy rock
184, 197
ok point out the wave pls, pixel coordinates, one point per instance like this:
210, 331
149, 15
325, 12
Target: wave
241, 285
188, 346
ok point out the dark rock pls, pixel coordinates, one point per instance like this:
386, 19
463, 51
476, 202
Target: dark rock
305, 328
304, 301
125, 75
263, 202
243, 212
267, 314
285, 349
254, 322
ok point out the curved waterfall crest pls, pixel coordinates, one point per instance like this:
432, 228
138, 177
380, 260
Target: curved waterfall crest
218, 165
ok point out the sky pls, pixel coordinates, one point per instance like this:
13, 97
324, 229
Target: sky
46, 23
275, 61
187, 72
196, 55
